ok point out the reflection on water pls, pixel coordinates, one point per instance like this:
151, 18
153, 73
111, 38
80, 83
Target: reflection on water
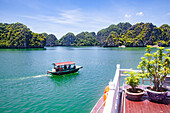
22, 49
62, 79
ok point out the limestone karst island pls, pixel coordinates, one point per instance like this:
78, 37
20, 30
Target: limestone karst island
18, 35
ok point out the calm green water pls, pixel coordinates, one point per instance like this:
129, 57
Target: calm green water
24, 86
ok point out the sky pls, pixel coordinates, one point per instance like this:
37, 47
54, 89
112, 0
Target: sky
59, 17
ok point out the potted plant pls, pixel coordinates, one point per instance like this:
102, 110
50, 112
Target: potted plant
134, 93
156, 66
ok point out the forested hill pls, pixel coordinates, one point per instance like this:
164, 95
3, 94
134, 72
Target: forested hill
51, 40
18, 35
138, 35
81, 39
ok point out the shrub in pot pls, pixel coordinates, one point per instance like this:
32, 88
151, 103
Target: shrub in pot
156, 66
134, 93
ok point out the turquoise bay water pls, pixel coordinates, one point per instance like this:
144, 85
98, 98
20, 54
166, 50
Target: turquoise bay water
24, 86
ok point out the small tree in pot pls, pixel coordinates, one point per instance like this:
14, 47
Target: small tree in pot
156, 66
134, 93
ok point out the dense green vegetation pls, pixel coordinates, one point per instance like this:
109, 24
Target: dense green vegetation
68, 40
139, 35
19, 36
86, 39
105, 35
146, 34
81, 39
51, 40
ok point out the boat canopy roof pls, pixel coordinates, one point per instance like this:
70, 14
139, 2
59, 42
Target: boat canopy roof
64, 63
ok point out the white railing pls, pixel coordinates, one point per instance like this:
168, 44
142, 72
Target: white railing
111, 105
113, 101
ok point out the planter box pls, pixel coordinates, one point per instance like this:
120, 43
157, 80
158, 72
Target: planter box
167, 83
156, 96
134, 96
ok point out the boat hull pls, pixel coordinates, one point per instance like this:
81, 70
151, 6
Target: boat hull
63, 72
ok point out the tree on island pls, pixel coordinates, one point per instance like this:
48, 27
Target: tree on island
141, 34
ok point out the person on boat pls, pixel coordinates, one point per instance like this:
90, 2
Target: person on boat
74, 67
69, 67
58, 67
65, 67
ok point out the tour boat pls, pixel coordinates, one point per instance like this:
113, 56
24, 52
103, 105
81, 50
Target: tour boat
62, 68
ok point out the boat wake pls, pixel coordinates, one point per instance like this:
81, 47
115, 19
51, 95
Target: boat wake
23, 78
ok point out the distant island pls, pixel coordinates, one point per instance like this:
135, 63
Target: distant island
17, 35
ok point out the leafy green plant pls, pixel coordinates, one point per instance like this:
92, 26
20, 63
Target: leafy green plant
133, 80
156, 66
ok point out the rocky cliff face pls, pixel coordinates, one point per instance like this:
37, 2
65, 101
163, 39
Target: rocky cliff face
138, 35
18, 35
165, 35
124, 26
81, 39
51, 40
86, 39
146, 34
102, 35
68, 39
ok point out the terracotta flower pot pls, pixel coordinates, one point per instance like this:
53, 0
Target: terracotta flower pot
134, 96
156, 96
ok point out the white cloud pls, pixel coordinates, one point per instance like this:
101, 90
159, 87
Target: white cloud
127, 16
75, 18
139, 14
64, 21
168, 13
63, 17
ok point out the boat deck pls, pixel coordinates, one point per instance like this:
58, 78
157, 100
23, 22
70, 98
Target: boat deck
143, 106
98, 108
147, 106
117, 101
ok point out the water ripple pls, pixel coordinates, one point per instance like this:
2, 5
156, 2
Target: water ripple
23, 78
